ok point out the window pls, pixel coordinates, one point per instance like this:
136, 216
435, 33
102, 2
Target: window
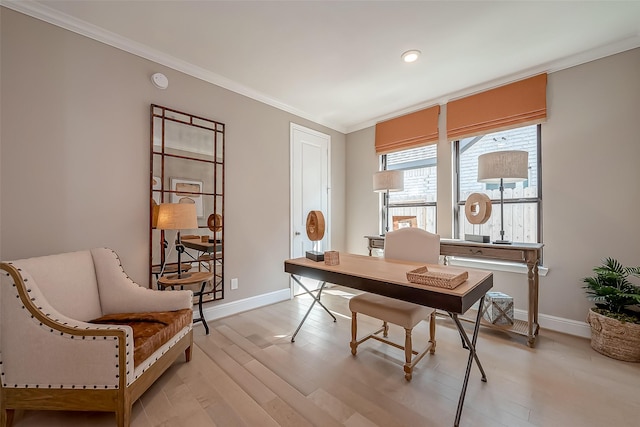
416, 205
522, 200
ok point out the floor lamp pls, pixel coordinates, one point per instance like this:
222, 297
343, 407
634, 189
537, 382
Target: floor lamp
502, 167
384, 182
177, 216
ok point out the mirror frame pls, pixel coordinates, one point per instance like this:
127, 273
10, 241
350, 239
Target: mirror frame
163, 151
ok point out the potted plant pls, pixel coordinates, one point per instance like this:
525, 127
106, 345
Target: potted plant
615, 320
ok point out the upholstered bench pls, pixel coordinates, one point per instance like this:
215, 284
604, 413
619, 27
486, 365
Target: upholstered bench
398, 312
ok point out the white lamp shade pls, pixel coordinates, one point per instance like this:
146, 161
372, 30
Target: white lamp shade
388, 181
177, 216
510, 166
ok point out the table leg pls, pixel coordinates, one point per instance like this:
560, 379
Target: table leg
202, 319
532, 317
471, 344
316, 299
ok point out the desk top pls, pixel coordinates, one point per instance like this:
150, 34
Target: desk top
201, 246
389, 278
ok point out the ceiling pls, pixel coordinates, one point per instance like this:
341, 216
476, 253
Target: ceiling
338, 62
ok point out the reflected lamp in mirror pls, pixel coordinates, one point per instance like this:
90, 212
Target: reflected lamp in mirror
384, 182
177, 216
502, 167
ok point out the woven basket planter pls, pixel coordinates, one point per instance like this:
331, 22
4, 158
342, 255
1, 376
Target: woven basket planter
613, 338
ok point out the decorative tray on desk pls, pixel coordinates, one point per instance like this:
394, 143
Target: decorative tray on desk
423, 276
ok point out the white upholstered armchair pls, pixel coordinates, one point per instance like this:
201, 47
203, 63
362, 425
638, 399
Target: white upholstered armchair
78, 334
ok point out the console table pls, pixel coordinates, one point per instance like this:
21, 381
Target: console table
524, 253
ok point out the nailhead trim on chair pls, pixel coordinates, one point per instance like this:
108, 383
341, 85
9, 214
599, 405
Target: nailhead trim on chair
63, 334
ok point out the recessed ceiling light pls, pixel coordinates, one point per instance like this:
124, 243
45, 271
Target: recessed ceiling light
410, 55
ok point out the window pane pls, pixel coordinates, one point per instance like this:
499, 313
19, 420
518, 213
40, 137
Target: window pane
520, 223
521, 219
420, 178
525, 139
416, 216
415, 206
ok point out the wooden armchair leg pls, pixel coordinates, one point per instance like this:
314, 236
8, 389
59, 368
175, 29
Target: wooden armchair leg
123, 415
6, 417
187, 354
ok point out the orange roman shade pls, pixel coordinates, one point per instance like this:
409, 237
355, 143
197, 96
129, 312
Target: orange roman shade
408, 131
513, 105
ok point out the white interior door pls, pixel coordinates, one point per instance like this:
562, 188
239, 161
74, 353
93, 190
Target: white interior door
310, 171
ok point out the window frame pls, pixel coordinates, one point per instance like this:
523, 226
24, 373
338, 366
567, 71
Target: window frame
459, 204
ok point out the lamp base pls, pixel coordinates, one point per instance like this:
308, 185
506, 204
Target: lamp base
502, 242
477, 238
315, 256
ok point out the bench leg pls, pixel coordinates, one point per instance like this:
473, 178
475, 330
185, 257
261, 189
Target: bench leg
408, 353
354, 333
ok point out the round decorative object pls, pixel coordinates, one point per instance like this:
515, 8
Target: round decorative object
214, 222
315, 225
477, 208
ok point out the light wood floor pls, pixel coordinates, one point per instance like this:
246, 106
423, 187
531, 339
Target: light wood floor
248, 373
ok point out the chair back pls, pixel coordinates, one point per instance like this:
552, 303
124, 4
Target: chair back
67, 281
412, 244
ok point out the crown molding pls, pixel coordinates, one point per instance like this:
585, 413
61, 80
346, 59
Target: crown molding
52, 16
627, 43
62, 20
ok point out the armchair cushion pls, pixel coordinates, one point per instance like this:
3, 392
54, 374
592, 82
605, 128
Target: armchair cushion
150, 330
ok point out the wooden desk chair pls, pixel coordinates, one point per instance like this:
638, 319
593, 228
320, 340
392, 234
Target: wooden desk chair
407, 244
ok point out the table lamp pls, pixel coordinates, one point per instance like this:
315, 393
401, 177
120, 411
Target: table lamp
386, 181
503, 167
177, 216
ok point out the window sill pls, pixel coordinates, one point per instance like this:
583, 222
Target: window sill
509, 267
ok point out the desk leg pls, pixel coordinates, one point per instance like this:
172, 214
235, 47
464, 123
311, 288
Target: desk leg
471, 344
316, 299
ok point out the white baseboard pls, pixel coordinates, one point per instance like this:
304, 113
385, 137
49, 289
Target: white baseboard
227, 309
558, 324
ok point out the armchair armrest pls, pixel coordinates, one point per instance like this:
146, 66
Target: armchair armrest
42, 348
120, 294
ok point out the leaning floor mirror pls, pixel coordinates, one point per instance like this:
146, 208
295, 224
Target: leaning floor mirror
187, 167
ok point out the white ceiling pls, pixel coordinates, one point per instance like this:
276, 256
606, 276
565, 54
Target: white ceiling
338, 62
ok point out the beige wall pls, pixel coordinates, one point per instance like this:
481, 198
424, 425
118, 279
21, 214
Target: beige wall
74, 165
590, 176
75, 156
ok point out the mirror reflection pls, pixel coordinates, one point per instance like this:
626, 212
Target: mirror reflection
187, 167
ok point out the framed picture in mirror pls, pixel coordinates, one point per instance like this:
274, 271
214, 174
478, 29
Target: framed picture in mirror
187, 191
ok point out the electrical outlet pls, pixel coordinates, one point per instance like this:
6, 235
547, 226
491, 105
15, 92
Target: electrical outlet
234, 283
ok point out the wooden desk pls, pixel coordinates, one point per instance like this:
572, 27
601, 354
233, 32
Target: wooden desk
524, 253
388, 278
187, 279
